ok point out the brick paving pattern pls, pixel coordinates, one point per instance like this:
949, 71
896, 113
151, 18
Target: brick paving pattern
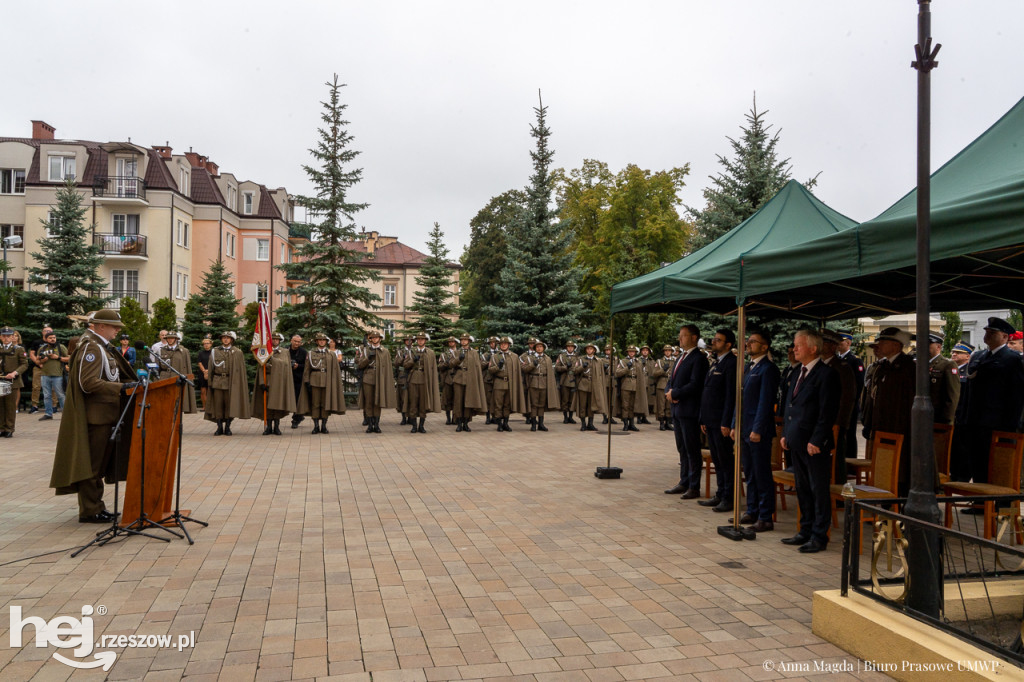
402, 557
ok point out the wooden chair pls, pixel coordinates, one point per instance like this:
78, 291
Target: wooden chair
859, 468
884, 476
942, 440
1004, 461
783, 479
709, 468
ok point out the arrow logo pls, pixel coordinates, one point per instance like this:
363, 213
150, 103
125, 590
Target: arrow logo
104, 659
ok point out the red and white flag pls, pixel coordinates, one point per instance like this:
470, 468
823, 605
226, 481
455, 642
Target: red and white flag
262, 342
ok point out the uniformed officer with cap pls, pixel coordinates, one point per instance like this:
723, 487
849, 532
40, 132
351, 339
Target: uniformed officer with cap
995, 377
99, 374
830, 342
890, 394
847, 355
485, 358
229, 385
566, 380
175, 355
660, 373
13, 364
590, 393
424, 396
633, 387
446, 367
377, 391
646, 361
324, 389
540, 381
944, 378
959, 460
508, 383
402, 379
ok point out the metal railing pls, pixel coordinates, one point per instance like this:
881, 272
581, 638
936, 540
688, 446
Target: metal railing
117, 296
111, 244
119, 186
973, 602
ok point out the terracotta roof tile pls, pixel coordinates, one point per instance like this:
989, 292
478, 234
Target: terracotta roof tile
398, 253
204, 189
158, 175
268, 208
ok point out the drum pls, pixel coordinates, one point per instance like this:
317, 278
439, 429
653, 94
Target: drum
5, 388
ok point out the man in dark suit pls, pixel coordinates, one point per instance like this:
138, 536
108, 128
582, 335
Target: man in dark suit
890, 394
995, 379
717, 405
757, 427
959, 458
808, 414
685, 386
847, 355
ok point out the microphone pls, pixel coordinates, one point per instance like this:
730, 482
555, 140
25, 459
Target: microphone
139, 346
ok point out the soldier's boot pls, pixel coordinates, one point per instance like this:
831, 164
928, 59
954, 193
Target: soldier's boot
316, 426
504, 423
447, 417
565, 417
583, 424
531, 420
605, 421
376, 424
458, 428
500, 422
613, 421
269, 428
540, 424
571, 420
423, 420
369, 424
227, 427
632, 427
366, 420
590, 424
296, 420
323, 425
488, 419
625, 424
533, 424
643, 419
405, 420
277, 427
413, 422
465, 425
220, 428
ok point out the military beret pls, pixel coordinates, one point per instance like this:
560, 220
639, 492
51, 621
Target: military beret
1017, 336
1000, 325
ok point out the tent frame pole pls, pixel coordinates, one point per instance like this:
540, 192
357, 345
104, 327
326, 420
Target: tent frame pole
735, 532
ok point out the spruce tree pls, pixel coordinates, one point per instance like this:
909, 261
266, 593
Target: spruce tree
67, 279
539, 287
212, 310
750, 178
332, 298
433, 303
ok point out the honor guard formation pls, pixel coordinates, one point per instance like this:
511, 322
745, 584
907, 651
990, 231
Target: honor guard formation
818, 407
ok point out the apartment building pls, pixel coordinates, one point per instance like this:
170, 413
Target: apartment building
159, 218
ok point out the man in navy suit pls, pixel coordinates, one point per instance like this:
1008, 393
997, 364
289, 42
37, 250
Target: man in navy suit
995, 380
685, 386
717, 405
757, 429
809, 410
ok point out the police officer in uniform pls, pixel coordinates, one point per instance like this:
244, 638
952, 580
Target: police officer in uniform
13, 364
566, 380
99, 374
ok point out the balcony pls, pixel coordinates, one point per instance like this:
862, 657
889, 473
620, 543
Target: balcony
116, 296
119, 189
121, 245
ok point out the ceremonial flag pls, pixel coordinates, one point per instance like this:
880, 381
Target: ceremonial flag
262, 343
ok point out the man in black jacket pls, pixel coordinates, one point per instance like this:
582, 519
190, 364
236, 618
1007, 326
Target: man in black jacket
809, 411
298, 358
685, 386
995, 380
717, 404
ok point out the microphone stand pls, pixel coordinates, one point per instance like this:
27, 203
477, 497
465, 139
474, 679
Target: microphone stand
116, 530
176, 515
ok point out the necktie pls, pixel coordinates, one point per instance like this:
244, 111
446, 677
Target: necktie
800, 380
681, 358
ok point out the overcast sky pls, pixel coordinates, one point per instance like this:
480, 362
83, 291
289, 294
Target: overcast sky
441, 94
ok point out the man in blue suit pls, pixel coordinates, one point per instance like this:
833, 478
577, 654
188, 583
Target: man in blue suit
995, 380
809, 410
717, 405
757, 429
685, 386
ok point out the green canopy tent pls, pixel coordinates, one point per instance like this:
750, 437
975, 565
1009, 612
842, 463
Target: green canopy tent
710, 279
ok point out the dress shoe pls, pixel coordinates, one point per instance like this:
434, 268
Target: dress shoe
678, 490
795, 540
812, 547
3, 434
747, 518
712, 502
690, 494
101, 517
45, 417
8, 434
762, 526
725, 506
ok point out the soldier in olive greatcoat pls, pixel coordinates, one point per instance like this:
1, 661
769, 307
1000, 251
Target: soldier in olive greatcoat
13, 364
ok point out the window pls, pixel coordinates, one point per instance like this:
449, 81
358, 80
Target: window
180, 285
183, 180
181, 236
12, 231
126, 223
247, 203
15, 283
229, 245
389, 329
232, 198
262, 249
124, 281
390, 293
281, 259
61, 168
184, 286
12, 181
262, 293
51, 223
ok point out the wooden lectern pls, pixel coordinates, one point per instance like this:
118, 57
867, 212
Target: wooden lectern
161, 453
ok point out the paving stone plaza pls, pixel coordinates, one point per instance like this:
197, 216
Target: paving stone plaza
396, 556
